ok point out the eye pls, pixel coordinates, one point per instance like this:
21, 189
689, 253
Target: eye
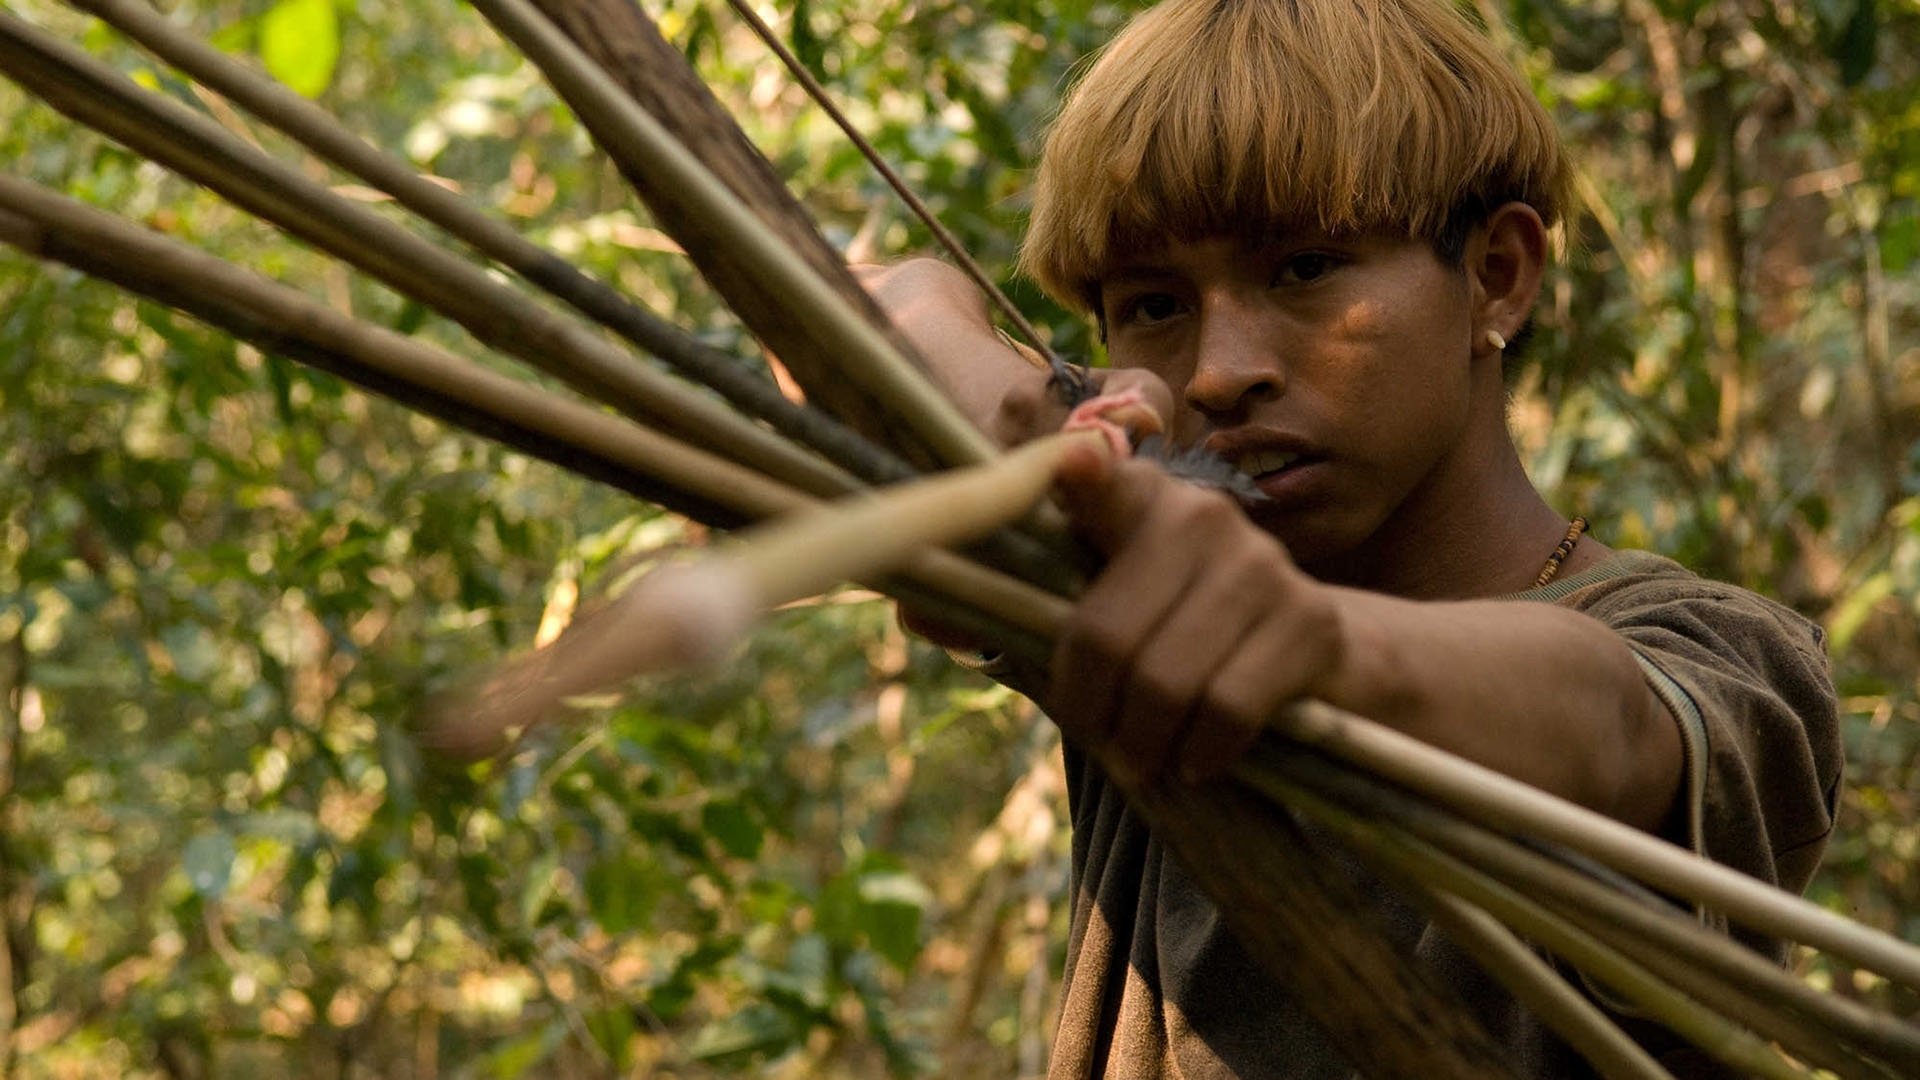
1147, 309
1304, 267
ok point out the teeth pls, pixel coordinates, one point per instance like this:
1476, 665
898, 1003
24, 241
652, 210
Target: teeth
1261, 462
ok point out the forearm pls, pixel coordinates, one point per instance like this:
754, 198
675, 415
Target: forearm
949, 323
1538, 692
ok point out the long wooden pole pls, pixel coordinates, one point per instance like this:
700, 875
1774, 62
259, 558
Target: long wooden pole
681, 189
565, 431
654, 74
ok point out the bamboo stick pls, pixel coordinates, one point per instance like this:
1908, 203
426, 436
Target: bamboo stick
1402, 853
643, 147
1536, 985
1805, 1039
1828, 1030
655, 74
317, 130
1652, 925
1504, 803
186, 142
559, 429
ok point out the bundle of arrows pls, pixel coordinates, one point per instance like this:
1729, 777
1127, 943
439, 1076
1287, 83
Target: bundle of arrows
879, 479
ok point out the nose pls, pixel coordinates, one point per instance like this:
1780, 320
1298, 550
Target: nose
1236, 363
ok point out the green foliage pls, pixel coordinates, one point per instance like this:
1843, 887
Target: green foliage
226, 583
300, 44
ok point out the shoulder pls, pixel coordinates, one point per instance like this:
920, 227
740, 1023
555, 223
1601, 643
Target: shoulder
1641, 590
1749, 682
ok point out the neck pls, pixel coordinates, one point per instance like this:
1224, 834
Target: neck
1477, 527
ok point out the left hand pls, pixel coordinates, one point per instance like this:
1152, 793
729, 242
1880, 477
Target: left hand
1199, 628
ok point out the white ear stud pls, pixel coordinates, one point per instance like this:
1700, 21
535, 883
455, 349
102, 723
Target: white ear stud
1498, 342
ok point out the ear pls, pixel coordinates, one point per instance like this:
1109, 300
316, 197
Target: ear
1505, 260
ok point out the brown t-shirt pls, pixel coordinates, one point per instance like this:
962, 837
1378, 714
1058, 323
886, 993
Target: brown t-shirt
1156, 986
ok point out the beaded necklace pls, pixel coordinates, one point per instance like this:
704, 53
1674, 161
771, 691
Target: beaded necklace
1575, 528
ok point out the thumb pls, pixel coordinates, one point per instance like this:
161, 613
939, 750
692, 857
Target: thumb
1106, 500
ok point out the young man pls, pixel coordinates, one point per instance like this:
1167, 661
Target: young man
1310, 228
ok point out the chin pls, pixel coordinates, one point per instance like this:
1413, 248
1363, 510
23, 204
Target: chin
1316, 537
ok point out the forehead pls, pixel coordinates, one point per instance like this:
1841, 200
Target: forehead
1252, 247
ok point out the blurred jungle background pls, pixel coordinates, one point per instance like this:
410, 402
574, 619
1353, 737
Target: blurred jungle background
225, 582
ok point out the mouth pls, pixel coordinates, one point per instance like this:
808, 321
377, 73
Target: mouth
1256, 464
1284, 468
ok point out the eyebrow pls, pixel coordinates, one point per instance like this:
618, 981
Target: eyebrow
1137, 275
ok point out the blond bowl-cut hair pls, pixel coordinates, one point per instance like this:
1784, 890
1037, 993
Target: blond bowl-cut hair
1241, 117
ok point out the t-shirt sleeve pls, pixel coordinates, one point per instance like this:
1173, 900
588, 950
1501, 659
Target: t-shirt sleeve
1748, 681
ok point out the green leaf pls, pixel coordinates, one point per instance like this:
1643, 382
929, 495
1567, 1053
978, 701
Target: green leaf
729, 823
518, 1057
300, 44
1899, 236
882, 906
757, 1029
612, 1030
1852, 611
620, 893
208, 861
890, 911
807, 45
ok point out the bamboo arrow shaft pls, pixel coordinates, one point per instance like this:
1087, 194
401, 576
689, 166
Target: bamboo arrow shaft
1539, 987
695, 613
1717, 1035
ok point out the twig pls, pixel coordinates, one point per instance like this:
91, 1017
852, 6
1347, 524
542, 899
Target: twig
642, 146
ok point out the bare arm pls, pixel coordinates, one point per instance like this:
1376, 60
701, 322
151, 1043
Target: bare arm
1201, 626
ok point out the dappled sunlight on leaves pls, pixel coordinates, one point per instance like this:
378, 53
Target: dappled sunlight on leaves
227, 583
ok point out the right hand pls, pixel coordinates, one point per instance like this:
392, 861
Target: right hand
946, 318
1006, 394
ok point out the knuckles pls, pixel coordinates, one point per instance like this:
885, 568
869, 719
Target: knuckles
1164, 685
1228, 694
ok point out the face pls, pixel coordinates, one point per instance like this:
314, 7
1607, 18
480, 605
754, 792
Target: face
1335, 371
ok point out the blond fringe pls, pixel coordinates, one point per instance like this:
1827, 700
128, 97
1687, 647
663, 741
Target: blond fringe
1240, 117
